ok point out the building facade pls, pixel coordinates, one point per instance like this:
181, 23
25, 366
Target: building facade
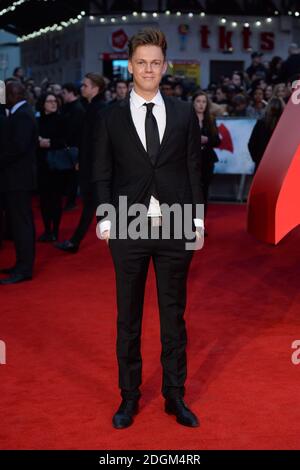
199, 47
9, 54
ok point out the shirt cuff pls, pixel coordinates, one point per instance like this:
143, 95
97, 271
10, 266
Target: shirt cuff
105, 225
199, 223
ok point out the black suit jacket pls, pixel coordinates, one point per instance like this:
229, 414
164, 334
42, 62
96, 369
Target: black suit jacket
93, 111
73, 116
18, 152
259, 140
123, 167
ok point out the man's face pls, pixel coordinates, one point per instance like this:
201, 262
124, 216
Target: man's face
147, 66
12, 95
88, 90
121, 90
236, 80
56, 88
178, 91
258, 95
167, 89
68, 96
20, 73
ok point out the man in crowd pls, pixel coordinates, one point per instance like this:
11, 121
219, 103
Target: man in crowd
121, 91
73, 112
256, 69
291, 66
18, 179
92, 89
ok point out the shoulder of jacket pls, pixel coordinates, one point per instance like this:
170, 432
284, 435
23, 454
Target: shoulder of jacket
24, 110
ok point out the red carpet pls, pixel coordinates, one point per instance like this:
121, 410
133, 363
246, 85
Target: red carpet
59, 386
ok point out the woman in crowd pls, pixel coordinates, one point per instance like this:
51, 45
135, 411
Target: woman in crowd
264, 128
257, 108
268, 92
209, 140
51, 182
280, 91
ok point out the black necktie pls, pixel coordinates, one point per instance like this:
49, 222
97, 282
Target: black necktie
152, 134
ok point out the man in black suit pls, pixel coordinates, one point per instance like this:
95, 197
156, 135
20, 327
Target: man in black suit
92, 89
73, 115
18, 179
3, 121
291, 66
147, 148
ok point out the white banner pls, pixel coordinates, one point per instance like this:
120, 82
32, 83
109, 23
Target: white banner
233, 153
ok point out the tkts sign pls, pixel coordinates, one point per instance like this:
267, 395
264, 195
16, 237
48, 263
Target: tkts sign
225, 37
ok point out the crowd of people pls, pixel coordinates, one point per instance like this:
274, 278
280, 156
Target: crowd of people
241, 94
55, 125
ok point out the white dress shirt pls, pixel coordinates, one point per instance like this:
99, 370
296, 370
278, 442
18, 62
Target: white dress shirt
138, 113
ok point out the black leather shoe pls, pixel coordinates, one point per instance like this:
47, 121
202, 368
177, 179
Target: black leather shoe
8, 270
14, 279
124, 416
177, 407
67, 246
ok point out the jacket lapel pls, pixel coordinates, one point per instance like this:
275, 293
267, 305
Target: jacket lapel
169, 121
128, 121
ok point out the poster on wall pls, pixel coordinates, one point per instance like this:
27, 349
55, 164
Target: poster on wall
187, 69
233, 153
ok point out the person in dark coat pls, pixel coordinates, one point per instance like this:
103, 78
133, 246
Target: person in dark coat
18, 180
274, 70
52, 136
209, 140
291, 66
73, 113
92, 89
263, 130
147, 149
256, 69
3, 121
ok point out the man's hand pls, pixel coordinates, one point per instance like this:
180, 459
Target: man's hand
199, 242
105, 235
44, 143
199, 232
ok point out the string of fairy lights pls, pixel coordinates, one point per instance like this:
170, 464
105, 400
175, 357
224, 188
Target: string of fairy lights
12, 7
134, 16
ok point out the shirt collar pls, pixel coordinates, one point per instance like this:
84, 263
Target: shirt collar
17, 106
139, 101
